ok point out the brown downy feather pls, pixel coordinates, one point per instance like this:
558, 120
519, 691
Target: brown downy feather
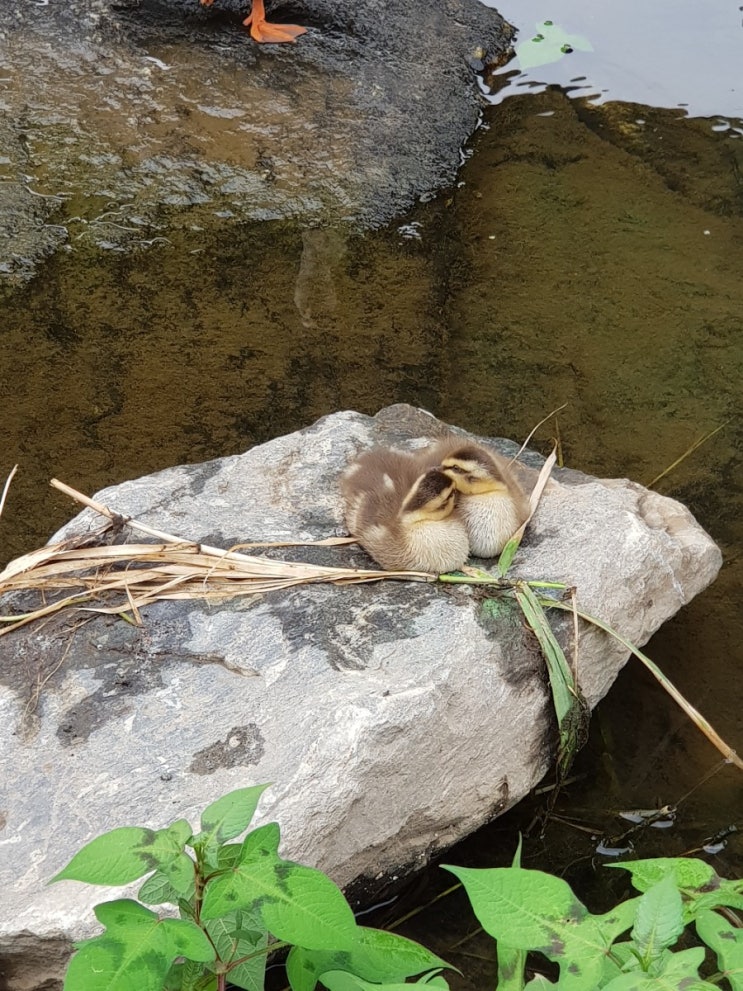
404, 515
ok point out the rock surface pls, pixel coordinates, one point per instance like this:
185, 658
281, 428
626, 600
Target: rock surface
125, 121
393, 718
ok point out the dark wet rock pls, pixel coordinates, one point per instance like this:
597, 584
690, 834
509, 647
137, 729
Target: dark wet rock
393, 718
124, 119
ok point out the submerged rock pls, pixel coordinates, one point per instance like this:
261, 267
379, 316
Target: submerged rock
123, 122
393, 718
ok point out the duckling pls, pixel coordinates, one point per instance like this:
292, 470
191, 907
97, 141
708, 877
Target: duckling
491, 502
404, 515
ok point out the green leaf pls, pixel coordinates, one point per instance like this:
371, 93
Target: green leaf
518, 906
157, 890
687, 872
136, 951
228, 855
229, 816
181, 831
507, 555
180, 873
727, 894
530, 910
377, 955
300, 969
549, 44
571, 709
675, 972
341, 980
125, 918
297, 904
238, 935
726, 942
197, 978
261, 842
117, 857
659, 921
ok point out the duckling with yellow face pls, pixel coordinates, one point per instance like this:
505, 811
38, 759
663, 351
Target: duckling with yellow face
403, 514
490, 502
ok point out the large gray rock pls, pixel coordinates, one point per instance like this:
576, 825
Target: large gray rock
125, 121
393, 718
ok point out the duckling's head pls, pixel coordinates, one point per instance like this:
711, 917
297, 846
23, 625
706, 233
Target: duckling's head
473, 472
431, 498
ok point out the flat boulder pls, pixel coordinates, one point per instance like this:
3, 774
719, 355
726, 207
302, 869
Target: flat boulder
125, 122
393, 717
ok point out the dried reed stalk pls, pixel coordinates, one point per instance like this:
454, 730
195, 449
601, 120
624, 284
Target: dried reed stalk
123, 578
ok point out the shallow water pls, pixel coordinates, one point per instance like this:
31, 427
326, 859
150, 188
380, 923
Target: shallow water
591, 255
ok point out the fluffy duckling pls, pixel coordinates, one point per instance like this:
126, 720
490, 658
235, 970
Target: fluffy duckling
491, 502
404, 515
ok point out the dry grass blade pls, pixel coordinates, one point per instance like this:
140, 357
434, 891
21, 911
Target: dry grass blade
689, 451
29, 561
123, 578
8, 480
534, 430
327, 542
509, 551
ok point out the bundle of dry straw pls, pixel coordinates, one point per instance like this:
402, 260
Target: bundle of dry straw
123, 578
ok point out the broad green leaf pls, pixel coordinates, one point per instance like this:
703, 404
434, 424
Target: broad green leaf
619, 919
728, 894
229, 816
677, 972
376, 955
726, 942
117, 857
341, 980
297, 904
181, 831
659, 920
173, 980
136, 951
180, 873
530, 910
228, 855
125, 919
519, 906
687, 872
196, 978
261, 842
239, 935
548, 44
157, 890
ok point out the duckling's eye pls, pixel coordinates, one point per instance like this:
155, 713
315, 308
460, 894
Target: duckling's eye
457, 468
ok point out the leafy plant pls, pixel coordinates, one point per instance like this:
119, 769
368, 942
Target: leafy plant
530, 911
236, 901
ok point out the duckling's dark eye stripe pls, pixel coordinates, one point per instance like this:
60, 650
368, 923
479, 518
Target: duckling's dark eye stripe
457, 468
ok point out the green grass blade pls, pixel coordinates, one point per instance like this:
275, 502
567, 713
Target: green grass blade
697, 718
570, 707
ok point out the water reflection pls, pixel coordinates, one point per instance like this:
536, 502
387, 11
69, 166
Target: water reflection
639, 52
